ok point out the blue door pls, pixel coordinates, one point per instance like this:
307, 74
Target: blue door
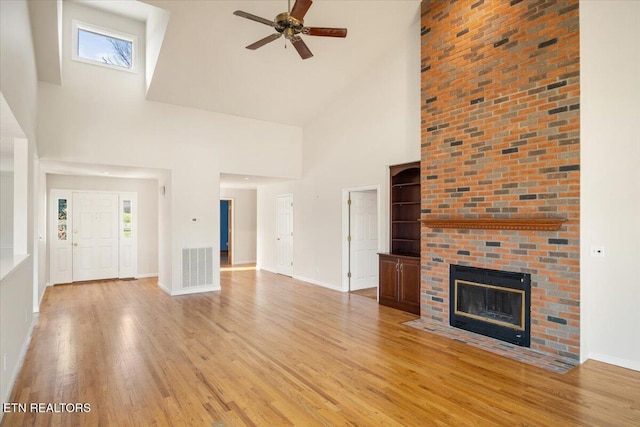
224, 225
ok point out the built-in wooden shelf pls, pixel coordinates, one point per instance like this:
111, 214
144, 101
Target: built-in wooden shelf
535, 224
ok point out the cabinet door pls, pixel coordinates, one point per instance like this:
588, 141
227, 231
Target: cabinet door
388, 279
409, 289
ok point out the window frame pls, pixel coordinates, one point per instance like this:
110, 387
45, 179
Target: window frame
79, 25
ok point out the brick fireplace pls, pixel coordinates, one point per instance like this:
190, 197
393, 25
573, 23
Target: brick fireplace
500, 141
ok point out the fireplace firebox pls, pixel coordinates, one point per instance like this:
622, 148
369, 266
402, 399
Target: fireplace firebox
491, 302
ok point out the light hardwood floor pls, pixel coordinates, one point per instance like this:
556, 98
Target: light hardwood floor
271, 351
369, 293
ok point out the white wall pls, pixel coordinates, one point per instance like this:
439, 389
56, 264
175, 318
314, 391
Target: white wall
16, 317
100, 116
47, 38
18, 78
165, 263
41, 238
376, 123
18, 85
6, 209
244, 223
147, 190
156, 27
610, 183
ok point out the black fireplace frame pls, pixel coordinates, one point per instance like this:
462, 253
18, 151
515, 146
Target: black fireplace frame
504, 279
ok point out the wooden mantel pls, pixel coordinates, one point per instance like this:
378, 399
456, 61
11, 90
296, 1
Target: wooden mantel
535, 224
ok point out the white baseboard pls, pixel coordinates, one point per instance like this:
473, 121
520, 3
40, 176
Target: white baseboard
623, 363
44, 290
305, 279
164, 288
374, 285
197, 290
319, 283
21, 355
146, 275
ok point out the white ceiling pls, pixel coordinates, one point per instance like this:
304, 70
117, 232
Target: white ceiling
129, 8
203, 62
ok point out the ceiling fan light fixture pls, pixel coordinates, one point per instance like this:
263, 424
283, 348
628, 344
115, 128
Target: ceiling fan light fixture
291, 24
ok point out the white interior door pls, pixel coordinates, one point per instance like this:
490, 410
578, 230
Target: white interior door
95, 236
284, 234
364, 239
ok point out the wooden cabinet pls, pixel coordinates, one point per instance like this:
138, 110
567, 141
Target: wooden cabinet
399, 271
400, 282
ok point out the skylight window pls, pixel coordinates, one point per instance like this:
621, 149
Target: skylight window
104, 47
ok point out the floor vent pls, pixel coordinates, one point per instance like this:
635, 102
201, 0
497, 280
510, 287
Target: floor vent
197, 267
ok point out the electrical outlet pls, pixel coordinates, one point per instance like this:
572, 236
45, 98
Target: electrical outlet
597, 251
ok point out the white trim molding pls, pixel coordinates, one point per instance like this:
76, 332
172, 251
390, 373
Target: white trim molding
179, 292
145, 275
106, 32
318, 283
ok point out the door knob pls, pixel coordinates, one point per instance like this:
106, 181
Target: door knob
75, 244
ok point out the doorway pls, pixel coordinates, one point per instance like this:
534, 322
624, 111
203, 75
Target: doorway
93, 235
284, 234
226, 232
361, 228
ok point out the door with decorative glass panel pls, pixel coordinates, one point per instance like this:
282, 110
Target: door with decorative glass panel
94, 236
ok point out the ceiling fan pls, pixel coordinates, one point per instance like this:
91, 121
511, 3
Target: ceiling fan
291, 24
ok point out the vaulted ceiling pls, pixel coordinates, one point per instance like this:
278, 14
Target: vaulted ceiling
203, 62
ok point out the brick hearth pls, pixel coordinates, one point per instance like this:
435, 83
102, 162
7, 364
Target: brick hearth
500, 139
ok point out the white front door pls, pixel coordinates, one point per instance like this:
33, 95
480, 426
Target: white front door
364, 239
95, 236
284, 235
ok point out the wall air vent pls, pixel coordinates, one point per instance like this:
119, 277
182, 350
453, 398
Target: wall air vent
197, 267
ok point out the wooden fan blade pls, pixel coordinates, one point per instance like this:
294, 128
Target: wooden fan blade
264, 41
325, 32
300, 8
254, 18
301, 47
